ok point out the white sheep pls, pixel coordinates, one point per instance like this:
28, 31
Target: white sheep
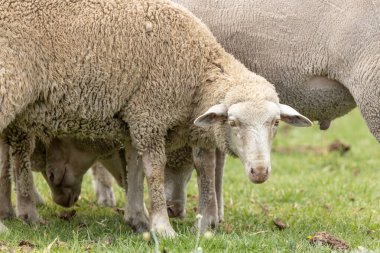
321, 62
87, 68
323, 67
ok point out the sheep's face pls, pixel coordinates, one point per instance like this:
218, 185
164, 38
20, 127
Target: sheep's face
249, 129
65, 168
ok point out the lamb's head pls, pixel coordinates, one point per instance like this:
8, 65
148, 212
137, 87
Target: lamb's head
246, 127
65, 166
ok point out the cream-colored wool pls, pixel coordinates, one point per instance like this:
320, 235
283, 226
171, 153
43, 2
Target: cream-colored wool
84, 68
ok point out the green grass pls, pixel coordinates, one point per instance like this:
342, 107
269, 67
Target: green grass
339, 194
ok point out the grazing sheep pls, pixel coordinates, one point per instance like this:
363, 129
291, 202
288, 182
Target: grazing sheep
101, 178
90, 67
69, 159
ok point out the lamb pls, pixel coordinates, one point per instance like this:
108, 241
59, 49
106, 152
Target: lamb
148, 63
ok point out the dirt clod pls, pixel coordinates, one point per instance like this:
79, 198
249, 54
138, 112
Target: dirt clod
339, 146
66, 215
326, 239
280, 224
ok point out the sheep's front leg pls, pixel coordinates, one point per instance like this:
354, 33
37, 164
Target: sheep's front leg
154, 165
135, 214
204, 162
102, 181
219, 169
6, 209
21, 150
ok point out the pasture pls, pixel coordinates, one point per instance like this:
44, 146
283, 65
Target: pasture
311, 189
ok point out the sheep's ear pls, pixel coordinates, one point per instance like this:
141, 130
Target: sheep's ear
215, 114
292, 117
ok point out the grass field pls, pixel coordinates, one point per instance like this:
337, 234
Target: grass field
310, 189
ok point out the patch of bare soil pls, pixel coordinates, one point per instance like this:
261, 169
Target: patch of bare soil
326, 239
335, 146
25, 246
66, 215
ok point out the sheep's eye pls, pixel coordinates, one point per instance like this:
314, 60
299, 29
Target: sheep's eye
232, 123
276, 123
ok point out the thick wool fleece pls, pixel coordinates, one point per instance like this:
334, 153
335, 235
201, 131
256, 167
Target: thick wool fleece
322, 56
84, 68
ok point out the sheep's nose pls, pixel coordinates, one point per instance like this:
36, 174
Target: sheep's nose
261, 170
176, 212
259, 174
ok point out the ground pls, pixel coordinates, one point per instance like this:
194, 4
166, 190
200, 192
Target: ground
310, 189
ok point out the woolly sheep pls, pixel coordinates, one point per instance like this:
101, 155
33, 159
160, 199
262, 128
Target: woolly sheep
69, 159
101, 178
321, 62
307, 49
89, 67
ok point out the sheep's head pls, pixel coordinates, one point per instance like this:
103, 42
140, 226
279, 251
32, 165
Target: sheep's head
65, 167
248, 129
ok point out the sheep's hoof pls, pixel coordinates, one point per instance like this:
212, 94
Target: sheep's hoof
29, 217
166, 232
138, 226
7, 214
138, 222
208, 221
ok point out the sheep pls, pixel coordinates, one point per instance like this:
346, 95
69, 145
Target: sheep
69, 159
307, 49
323, 67
101, 178
148, 63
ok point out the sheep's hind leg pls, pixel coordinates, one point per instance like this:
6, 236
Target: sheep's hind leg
6, 209
135, 214
21, 148
204, 162
102, 181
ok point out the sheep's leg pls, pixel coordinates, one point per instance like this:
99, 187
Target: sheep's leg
204, 162
219, 168
177, 174
6, 209
102, 181
21, 149
154, 165
135, 214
